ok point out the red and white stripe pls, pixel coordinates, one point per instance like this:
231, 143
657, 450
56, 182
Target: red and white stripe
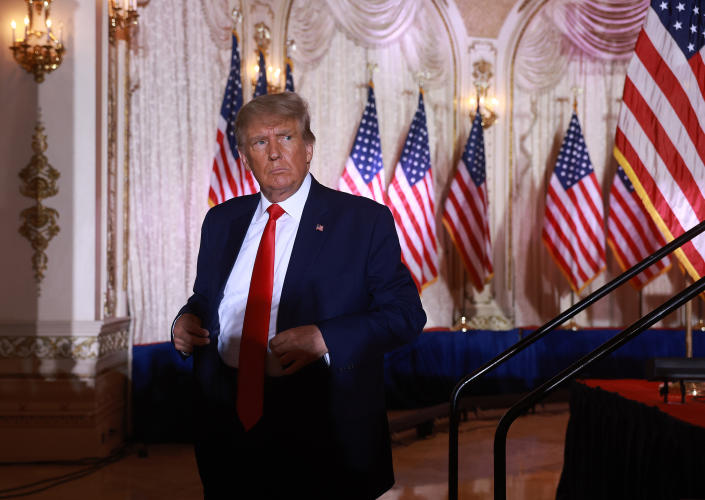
573, 229
660, 139
413, 211
465, 215
632, 234
229, 177
352, 182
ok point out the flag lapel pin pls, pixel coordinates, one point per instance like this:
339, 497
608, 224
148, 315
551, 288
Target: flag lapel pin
319, 227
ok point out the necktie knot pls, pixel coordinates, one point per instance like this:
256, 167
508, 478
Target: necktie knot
275, 211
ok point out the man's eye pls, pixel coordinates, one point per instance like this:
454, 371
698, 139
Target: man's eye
287, 137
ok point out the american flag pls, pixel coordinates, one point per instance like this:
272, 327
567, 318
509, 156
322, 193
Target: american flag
466, 213
660, 139
573, 219
261, 86
411, 201
364, 172
631, 232
229, 178
289, 86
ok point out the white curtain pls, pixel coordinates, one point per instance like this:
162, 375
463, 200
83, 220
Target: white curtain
177, 73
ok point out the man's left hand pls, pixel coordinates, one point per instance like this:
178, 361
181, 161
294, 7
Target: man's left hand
298, 347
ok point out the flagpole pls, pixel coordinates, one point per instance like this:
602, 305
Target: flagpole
572, 324
688, 329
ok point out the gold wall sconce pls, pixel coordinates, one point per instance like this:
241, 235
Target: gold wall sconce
487, 103
122, 19
38, 51
273, 74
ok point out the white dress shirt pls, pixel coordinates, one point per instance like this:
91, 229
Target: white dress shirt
231, 311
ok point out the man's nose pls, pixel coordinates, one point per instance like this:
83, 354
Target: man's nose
274, 152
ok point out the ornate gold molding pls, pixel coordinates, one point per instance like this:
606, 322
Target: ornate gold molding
110, 302
39, 182
60, 347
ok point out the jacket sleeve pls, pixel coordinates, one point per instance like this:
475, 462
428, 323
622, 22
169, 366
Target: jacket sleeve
394, 316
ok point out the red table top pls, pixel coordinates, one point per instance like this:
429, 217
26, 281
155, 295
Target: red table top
646, 392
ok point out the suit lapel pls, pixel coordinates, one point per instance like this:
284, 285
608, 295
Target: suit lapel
308, 243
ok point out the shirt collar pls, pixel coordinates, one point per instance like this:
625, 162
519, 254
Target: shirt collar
294, 204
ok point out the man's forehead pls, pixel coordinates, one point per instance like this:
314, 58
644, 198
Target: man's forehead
278, 122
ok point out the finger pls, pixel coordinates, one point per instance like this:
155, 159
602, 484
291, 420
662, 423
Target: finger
287, 358
280, 339
200, 341
293, 368
195, 330
182, 346
279, 344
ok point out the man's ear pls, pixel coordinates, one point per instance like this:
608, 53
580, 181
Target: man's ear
309, 152
243, 159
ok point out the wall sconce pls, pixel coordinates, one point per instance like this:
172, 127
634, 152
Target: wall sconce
273, 73
38, 52
122, 19
487, 104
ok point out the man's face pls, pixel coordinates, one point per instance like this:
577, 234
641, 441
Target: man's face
277, 155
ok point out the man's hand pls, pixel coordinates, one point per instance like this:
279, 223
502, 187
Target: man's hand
298, 347
189, 334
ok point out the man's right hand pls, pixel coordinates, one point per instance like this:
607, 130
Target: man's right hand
189, 334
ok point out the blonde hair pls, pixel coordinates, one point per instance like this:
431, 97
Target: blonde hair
285, 105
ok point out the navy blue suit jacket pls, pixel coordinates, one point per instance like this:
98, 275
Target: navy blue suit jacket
349, 280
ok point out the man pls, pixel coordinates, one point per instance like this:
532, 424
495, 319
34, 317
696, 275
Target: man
305, 417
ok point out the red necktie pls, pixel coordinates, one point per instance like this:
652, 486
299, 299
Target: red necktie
255, 329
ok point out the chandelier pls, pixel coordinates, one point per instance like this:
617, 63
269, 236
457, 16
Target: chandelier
38, 51
122, 19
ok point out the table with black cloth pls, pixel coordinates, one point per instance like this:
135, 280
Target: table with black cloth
624, 442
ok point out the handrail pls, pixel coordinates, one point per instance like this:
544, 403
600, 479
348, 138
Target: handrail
630, 333
454, 419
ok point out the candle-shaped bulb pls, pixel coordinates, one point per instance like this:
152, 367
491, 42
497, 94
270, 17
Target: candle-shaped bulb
48, 23
13, 25
26, 26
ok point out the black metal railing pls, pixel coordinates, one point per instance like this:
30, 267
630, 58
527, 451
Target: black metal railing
463, 384
630, 333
